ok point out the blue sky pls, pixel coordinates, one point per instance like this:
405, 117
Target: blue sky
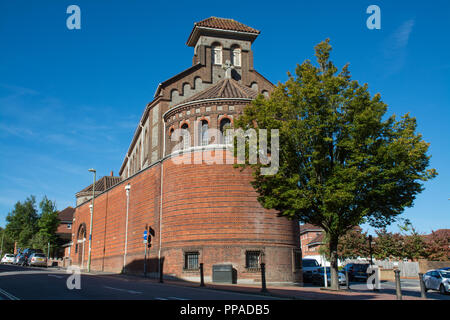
71, 99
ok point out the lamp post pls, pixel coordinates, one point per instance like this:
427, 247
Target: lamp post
92, 214
3, 237
370, 249
127, 190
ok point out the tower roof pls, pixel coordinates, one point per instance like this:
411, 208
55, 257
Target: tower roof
102, 184
227, 88
221, 25
225, 24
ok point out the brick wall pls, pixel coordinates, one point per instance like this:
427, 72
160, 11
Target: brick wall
211, 209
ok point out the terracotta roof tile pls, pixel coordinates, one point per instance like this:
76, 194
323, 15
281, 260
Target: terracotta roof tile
103, 184
66, 214
225, 24
224, 89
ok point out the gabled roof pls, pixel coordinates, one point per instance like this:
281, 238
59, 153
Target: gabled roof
222, 25
66, 214
317, 240
224, 89
307, 227
103, 184
225, 24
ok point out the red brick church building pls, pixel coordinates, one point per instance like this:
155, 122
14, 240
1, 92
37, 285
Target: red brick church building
200, 212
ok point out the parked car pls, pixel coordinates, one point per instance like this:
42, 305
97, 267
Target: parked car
37, 259
356, 271
309, 266
20, 259
8, 258
318, 276
437, 280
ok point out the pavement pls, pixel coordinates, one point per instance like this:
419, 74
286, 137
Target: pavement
97, 285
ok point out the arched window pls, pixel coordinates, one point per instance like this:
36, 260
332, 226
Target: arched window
236, 56
216, 53
186, 136
204, 133
225, 124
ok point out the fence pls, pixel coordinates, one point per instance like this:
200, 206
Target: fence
407, 269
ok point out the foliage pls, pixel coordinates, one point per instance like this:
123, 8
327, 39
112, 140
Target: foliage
340, 163
22, 222
48, 223
388, 245
352, 245
438, 246
31, 228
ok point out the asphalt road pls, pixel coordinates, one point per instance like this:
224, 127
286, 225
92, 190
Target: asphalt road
410, 287
29, 283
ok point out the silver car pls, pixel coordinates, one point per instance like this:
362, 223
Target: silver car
438, 279
37, 259
8, 258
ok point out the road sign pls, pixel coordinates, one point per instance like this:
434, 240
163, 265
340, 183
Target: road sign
145, 235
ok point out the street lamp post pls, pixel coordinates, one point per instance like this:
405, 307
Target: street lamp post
127, 190
92, 214
3, 237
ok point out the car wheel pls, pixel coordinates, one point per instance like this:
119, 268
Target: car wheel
442, 289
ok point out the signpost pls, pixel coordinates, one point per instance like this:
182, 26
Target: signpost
145, 251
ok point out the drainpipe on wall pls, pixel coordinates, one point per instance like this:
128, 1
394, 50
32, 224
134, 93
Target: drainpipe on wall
161, 196
127, 190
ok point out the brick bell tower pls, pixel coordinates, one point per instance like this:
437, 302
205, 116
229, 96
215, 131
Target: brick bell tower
217, 41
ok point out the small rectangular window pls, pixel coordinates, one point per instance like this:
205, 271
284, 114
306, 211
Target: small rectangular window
69, 226
252, 259
297, 259
191, 260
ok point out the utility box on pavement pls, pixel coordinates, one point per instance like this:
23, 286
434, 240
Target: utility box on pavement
222, 273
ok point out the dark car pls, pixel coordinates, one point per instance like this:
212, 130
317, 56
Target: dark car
25, 255
356, 271
309, 266
318, 277
20, 259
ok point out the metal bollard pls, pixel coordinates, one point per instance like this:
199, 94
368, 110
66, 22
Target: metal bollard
263, 277
347, 281
202, 280
161, 264
398, 289
423, 294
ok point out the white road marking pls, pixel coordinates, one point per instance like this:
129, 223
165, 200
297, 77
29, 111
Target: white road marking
124, 290
161, 299
176, 298
8, 295
55, 276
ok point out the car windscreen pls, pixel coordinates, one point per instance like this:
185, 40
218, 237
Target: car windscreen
9, 255
445, 274
361, 267
309, 263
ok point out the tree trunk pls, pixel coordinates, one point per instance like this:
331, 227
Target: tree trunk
334, 264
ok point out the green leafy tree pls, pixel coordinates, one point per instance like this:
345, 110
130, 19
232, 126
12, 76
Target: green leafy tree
6, 243
48, 223
340, 162
22, 222
388, 245
352, 245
